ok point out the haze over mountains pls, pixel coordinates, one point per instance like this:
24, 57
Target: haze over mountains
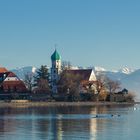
129, 78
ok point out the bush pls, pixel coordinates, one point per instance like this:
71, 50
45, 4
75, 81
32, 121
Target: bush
130, 97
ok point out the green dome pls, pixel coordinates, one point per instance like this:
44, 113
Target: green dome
55, 56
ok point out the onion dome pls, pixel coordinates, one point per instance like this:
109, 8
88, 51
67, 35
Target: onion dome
55, 56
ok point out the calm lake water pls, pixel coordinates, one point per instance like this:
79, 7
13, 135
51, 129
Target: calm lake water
70, 123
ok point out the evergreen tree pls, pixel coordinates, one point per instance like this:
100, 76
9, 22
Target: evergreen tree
42, 80
42, 73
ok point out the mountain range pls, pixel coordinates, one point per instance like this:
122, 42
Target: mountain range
129, 78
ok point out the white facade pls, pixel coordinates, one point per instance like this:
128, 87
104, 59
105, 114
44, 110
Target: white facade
55, 70
92, 76
11, 79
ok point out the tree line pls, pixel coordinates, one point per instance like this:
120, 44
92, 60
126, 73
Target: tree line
69, 86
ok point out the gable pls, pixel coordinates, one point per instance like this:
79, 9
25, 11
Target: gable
92, 76
12, 77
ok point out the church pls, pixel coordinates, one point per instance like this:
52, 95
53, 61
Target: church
87, 75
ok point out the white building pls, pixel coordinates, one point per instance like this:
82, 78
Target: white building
55, 70
86, 74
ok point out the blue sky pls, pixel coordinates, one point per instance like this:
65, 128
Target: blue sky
87, 32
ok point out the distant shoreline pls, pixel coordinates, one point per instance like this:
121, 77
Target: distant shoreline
57, 104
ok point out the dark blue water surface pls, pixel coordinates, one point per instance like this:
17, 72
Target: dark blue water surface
70, 123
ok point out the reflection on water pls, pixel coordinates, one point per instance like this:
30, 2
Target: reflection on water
68, 123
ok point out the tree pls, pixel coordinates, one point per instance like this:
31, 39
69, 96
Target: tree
42, 80
68, 85
29, 81
103, 96
112, 86
130, 97
101, 87
66, 65
42, 73
100, 83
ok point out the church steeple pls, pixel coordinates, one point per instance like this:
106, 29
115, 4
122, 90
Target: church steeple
55, 56
55, 70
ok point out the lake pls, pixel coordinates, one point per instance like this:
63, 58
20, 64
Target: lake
70, 123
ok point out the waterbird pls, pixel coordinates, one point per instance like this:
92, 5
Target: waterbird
135, 108
118, 115
96, 116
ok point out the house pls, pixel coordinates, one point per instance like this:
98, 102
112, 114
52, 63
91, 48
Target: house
88, 86
87, 77
119, 96
9, 82
3, 74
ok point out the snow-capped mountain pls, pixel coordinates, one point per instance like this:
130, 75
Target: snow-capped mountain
99, 69
132, 82
129, 79
21, 72
126, 70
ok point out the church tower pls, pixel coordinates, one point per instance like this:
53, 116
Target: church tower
55, 70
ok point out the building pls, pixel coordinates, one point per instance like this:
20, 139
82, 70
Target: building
56, 69
86, 74
119, 96
9, 82
87, 78
88, 86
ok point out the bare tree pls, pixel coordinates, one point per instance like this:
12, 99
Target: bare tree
68, 85
100, 83
29, 81
101, 88
66, 65
130, 97
112, 86
42, 86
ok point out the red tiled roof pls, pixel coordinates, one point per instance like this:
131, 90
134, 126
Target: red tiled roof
13, 82
3, 70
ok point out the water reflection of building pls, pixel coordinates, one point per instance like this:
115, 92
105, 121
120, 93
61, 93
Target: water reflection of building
7, 124
48, 126
93, 124
99, 124
56, 128
46, 123
68, 128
